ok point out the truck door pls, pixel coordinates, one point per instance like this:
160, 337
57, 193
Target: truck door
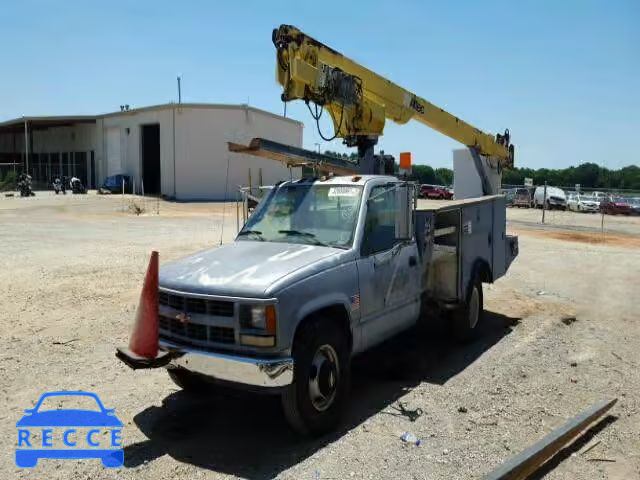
388, 271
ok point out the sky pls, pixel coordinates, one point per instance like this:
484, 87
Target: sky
564, 77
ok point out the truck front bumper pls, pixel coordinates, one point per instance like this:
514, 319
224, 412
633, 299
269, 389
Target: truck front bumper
242, 370
259, 372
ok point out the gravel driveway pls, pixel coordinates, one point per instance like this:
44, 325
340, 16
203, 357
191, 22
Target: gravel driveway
71, 270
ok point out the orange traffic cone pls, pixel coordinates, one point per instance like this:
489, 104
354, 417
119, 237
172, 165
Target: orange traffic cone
144, 338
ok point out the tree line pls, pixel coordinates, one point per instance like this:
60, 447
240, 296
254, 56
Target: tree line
588, 175
419, 173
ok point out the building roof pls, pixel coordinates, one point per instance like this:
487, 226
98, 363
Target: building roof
221, 106
44, 122
36, 123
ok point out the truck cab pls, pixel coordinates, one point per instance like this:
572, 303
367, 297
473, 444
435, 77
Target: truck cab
325, 268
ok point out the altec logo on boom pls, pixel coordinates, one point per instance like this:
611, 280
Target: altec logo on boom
69, 433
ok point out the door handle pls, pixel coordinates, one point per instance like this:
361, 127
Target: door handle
413, 261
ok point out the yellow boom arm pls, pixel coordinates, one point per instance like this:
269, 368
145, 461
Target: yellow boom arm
359, 101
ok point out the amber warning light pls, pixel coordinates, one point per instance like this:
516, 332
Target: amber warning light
405, 162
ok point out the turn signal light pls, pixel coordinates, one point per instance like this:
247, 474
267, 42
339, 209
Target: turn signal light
270, 319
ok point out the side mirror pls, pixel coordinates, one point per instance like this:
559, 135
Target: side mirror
404, 209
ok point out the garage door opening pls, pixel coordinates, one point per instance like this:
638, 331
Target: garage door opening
150, 138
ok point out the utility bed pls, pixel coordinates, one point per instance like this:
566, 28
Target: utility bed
440, 205
458, 237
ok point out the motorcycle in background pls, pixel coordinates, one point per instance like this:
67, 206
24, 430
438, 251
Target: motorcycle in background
24, 185
77, 186
59, 186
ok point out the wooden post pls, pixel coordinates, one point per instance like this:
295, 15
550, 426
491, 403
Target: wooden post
237, 212
144, 201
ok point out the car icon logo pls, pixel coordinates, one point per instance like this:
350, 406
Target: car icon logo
69, 433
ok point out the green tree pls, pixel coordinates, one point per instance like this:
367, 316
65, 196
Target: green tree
444, 176
9, 181
423, 174
588, 175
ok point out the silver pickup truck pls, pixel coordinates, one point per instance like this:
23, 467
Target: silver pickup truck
323, 270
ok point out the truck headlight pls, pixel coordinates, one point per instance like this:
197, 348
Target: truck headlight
261, 320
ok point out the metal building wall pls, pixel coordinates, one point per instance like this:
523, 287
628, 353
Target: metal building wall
201, 133
204, 167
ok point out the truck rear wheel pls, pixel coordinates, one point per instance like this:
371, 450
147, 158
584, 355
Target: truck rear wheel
314, 402
465, 320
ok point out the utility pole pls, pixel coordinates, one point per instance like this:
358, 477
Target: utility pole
544, 201
179, 91
26, 147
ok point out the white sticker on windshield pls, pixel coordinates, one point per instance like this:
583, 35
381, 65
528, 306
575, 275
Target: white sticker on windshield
343, 191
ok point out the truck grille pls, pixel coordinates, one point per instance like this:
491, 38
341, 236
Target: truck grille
219, 308
196, 331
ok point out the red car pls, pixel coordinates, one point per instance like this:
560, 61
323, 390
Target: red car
616, 205
435, 192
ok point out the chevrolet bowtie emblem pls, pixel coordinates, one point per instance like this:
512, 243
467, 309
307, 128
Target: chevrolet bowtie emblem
183, 317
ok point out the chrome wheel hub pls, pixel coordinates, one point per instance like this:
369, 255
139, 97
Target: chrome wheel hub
323, 377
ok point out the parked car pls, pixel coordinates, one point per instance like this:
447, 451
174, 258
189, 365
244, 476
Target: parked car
635, 206
113, 184
523, 198
509, 196
556, 198
582, 203
616, 205
435, 192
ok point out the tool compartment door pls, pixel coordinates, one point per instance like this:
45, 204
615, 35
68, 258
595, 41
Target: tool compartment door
499, 264
476, 239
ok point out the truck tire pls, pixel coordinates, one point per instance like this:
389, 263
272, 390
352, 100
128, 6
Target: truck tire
465, 320
313, 404
189, 381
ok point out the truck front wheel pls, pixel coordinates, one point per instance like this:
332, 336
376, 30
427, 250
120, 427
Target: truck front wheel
314, 402
466, 318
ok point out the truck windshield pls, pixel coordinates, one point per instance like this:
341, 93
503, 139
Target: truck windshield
313, 214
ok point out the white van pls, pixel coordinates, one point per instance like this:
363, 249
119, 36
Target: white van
556, 198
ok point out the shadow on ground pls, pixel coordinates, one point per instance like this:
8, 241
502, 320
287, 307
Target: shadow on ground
247, 436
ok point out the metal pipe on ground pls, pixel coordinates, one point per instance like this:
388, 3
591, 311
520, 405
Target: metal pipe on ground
524, 464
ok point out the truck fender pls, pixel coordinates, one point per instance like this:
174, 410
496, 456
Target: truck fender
326, 302
482, 269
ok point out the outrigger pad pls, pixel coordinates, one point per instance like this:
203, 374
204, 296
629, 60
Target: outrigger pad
137, 362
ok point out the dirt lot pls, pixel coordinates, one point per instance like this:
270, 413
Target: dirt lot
71, 270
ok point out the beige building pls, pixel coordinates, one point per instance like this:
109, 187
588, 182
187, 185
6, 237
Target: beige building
176, 150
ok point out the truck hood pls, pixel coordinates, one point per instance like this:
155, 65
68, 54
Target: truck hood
243, 268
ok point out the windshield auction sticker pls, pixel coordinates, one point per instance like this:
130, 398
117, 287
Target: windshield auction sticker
343, 192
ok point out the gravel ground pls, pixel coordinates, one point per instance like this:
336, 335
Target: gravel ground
72, 268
